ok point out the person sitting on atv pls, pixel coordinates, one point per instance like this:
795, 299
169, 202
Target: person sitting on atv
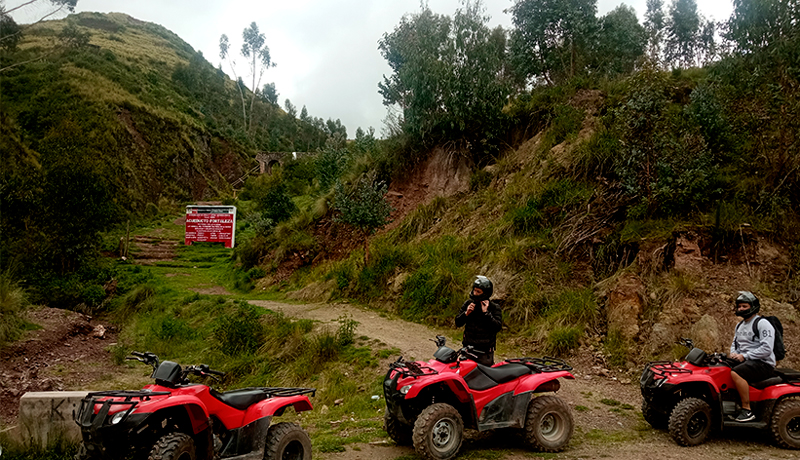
482, 319
753, 352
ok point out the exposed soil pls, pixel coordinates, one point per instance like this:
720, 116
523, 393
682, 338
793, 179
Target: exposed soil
60, 356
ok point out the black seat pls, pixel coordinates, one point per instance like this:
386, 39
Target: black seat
241, 399
504, 373
790, 375
768, 382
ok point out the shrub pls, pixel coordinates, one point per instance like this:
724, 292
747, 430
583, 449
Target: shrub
563, 339
239, 331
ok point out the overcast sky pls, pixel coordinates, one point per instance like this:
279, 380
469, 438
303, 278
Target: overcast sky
326, 51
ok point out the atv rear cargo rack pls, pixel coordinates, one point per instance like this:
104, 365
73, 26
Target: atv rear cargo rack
274, 392
546, 364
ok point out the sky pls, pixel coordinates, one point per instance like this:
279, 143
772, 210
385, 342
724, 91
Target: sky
326, 52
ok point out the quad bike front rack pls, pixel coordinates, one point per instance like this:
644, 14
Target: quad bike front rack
410, 369
86, 416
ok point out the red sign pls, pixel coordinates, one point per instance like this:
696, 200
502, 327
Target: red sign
215, 224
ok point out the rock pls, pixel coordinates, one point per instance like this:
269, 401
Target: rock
99, 332
338, 402
705, 333
624, 305
324, 409
784, 311
687, 255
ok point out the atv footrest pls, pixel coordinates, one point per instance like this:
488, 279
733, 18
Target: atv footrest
758, 425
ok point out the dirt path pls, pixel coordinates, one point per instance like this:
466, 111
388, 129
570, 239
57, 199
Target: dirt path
607, 413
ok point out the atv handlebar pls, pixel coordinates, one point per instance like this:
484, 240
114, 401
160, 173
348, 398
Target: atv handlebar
202, 370
148, 358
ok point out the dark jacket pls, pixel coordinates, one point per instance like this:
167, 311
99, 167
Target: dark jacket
481, 328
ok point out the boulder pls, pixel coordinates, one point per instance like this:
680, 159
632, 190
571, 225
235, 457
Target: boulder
687, 256
624, 305
706, 335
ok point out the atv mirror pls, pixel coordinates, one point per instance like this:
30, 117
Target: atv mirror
440, 341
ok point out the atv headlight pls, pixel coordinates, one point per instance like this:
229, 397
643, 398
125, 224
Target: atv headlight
404, 389
116, 418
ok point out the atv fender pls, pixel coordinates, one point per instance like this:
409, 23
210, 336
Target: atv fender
453, 381
533, 381
196, 410
774, 392
275, 407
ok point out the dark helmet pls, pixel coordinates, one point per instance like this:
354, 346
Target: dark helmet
750, 299
485, 284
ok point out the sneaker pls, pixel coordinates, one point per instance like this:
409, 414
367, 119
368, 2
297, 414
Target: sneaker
745, 416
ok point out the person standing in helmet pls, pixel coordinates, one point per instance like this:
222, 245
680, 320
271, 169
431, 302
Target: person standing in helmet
482, 320
754, 352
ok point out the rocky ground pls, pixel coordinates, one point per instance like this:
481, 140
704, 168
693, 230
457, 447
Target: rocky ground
69, 352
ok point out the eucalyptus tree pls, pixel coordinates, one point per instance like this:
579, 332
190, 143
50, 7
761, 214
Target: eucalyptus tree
683, 28
765, 25
654, 24
620, 42
256, 51
551, 39
448, 76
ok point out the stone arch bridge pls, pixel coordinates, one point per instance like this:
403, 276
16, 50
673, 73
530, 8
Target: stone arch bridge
266, 161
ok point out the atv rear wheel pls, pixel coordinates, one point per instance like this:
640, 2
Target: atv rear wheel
174, 446
438, 432
785, 424
548, 424
655, 418
287, 441
400, 433
690, 422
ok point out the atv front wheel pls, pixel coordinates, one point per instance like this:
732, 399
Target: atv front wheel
287, 441
785, 424
548, 424
398, 431
438, 432
690, 422
174, 446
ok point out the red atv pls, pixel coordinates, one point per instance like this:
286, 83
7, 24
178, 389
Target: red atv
178, 420
429, 404
696, 395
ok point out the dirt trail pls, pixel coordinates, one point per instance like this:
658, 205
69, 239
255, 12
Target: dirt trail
607, 412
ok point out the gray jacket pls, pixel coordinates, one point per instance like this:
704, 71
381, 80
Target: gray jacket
753, 347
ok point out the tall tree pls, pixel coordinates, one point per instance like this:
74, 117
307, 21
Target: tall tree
654, 24
256, 51
448, 76
757, 25
224, 48
683, 29
621, 40
551, 38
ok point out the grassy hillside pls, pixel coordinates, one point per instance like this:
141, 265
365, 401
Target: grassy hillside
107, 118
